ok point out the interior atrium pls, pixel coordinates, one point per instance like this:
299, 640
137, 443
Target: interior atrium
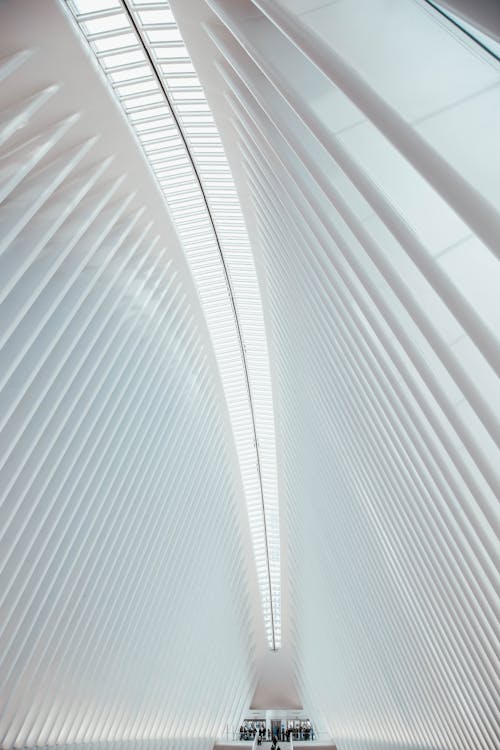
249, 374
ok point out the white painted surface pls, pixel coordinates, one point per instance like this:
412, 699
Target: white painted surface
129, 606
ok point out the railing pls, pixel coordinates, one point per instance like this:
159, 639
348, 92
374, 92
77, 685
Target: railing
295, 736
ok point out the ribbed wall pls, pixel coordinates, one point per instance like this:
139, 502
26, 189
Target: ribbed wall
369, 137
127, 601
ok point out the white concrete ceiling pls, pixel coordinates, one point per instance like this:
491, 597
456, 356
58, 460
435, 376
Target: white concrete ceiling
363, 141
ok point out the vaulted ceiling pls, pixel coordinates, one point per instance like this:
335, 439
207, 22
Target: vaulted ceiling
249, 371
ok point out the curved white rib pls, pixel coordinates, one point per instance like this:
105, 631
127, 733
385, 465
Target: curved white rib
142, 53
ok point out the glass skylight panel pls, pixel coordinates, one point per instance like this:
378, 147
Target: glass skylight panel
161, 36
176, 67
171, 51
119, 49
118, 58
107, 23
118, 42
184, 80
151, 17
129, 74
91, 6
136, 88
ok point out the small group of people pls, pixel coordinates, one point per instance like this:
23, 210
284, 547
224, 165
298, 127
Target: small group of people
296, 734
248, 731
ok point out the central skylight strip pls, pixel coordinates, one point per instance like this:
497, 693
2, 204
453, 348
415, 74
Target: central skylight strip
140, 48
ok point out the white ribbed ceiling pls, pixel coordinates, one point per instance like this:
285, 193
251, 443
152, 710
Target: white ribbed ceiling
362, 137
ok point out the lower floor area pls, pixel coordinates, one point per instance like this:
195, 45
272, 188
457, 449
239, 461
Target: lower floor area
275, 730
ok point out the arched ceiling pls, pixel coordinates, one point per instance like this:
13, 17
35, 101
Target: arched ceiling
249, 250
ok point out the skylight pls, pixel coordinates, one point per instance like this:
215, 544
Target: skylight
148, 66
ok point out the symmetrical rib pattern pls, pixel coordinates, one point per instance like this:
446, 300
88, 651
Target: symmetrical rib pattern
366, 135
125, 603
369, 135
